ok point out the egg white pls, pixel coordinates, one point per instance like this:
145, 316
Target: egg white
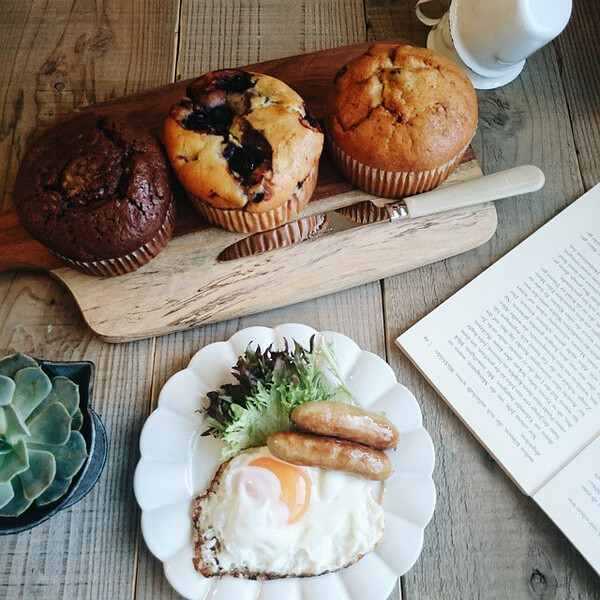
344, 520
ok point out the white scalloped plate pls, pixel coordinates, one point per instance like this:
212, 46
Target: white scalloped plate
176, 464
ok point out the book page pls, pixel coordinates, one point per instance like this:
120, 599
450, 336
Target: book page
516, 353
572, 500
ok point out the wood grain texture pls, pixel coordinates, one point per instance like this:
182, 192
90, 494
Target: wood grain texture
217, 34
18, 251
578, 56
57, 56
487, 540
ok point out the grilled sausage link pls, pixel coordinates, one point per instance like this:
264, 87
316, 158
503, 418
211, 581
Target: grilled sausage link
348, 422
330, 453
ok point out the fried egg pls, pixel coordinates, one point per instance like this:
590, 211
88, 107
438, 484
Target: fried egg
262, 517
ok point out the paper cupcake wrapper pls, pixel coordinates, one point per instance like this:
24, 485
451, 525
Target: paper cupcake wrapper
243, 221
391, 184
121, 265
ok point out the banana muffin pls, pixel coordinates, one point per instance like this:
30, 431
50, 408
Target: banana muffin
245, 149
399, 119
95, 190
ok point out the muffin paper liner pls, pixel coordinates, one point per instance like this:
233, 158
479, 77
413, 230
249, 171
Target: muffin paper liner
111, 267
391, 184
243, 221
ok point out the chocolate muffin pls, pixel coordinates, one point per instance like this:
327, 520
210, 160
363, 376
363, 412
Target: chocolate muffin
245, 149
399, 118
95, 190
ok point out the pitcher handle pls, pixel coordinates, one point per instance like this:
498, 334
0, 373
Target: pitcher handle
430, 21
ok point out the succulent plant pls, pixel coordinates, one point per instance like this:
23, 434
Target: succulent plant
41, 447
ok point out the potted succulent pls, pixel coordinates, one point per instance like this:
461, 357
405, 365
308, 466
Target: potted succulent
52, 445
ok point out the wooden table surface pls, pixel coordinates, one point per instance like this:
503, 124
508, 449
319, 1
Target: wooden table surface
486, 539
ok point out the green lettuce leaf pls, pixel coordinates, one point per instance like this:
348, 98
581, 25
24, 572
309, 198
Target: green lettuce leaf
269, 385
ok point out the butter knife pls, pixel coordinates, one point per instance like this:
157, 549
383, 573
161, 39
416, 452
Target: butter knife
512, 182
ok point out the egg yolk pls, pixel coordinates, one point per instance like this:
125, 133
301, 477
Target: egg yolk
295, 485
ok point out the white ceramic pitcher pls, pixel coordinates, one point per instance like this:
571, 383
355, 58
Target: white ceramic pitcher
490, 39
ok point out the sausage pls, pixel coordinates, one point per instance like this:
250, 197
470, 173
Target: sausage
348, 422
330, 453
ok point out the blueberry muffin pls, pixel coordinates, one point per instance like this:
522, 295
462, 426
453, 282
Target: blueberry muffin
399, 119
245, 149
95, 190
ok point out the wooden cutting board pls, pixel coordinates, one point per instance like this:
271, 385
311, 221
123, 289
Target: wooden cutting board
186, 286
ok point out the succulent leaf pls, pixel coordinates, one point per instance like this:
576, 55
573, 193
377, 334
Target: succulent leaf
39, 476
64, 391
32, 385
77, 421
9, 365
52, 426
56, 489
7, 389
69, 457
6, 493
15, 462
19, 504
12, 427
5, 447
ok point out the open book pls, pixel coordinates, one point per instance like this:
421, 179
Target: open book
516, 354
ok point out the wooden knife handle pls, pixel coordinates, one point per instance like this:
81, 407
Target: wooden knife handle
19, 251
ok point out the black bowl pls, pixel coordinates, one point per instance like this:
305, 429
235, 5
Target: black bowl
82, 373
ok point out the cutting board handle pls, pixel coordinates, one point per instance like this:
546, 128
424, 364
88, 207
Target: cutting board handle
18, 250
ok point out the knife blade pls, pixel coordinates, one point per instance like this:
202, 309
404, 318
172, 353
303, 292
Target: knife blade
504, 184
284, 235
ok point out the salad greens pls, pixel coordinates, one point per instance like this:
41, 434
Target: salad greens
269, 385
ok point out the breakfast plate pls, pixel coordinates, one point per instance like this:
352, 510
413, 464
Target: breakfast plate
177, 463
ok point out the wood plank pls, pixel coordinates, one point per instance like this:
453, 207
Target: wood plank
578, 56
357, 312
56, 57
217, 34
486, 539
